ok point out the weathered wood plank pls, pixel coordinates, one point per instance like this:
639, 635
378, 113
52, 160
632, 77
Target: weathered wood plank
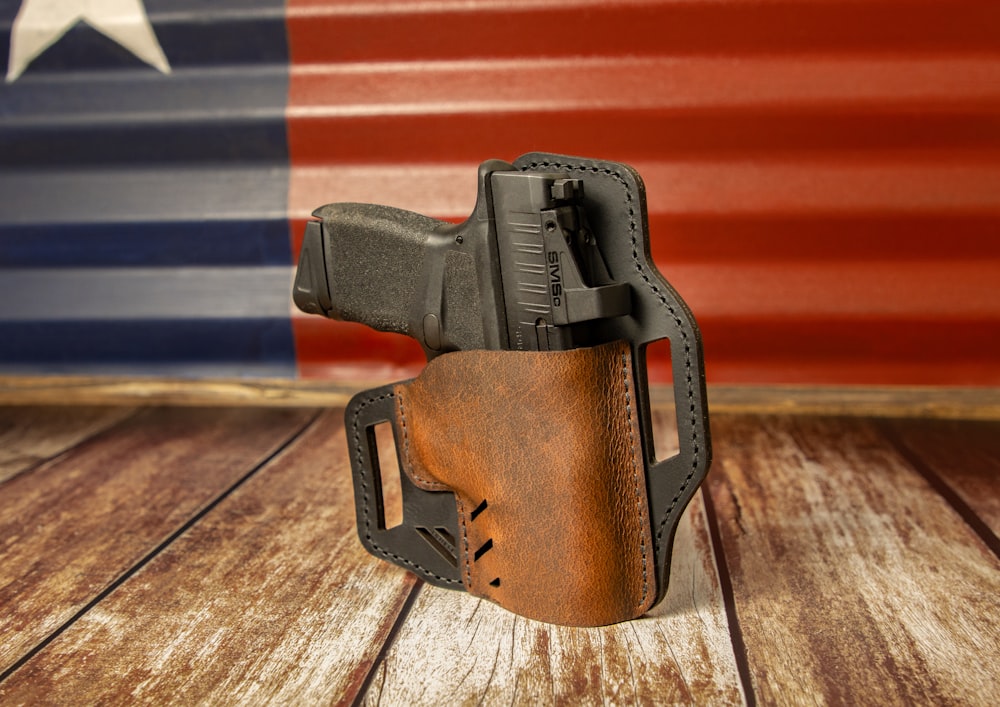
72, 526
857, 401
854, 582
269, 598
111, 390
966, 457
31, 435
893, 401
456, 649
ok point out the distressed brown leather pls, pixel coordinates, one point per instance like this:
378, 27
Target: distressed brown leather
549, 443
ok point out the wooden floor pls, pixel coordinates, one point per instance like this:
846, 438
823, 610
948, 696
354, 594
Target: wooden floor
200, 555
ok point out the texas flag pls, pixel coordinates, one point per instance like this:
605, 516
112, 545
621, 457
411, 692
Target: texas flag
822, 192
144, 223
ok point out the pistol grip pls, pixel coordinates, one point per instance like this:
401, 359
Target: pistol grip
398, 271
361, 263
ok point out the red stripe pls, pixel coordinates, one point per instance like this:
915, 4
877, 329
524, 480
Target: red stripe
350, 31
651, 108
348, 351
823, 177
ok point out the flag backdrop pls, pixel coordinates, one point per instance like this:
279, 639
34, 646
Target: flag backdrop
823, 175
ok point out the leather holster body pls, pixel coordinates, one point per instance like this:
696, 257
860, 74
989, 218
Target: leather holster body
542, 451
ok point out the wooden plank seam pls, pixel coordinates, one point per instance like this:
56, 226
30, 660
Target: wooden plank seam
729, 600
142, 562
971, 518
358, 697
68, 439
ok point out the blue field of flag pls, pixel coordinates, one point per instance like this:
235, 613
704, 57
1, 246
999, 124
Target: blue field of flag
144, 182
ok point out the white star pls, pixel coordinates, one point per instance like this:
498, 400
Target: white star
41, 23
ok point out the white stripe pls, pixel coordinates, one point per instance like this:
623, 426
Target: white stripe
51, 294
127, 194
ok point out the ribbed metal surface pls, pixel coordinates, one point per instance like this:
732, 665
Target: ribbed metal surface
143, 219
823, 176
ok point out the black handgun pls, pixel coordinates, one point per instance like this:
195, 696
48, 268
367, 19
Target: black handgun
555, 256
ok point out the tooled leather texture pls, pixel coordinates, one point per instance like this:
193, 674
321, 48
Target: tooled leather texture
542, 452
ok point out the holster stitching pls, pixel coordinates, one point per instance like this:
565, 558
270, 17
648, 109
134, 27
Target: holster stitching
408, 465
430, 484
643, 519
633, 229
366, 504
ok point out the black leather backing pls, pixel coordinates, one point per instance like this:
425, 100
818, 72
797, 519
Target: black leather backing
616, 199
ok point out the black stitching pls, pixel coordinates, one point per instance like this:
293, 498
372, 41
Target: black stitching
633, 229
635, 477
359, 449
408, 465
465, 539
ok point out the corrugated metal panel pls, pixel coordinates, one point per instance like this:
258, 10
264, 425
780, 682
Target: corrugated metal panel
824, 177
144, 216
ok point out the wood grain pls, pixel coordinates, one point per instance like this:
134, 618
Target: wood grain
890, 401
269, 598
858, 401
113, 390
965, 456
71, 527
854, 582
456, 649
30, 435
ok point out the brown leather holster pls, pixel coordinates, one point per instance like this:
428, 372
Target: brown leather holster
529, 473
542, 451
